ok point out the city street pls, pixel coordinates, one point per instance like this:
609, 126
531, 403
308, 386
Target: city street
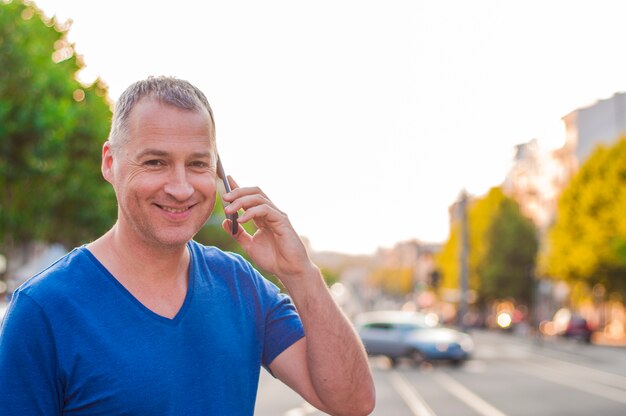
508, 375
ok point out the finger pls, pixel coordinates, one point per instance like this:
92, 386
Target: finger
238, 192
228, 196
266, 217
249, 201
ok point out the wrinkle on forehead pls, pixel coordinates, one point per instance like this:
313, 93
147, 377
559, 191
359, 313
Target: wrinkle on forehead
153, 119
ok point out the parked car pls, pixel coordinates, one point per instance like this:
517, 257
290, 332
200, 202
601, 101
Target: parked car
571, 325
411, 335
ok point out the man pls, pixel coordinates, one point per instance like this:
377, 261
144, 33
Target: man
145, 321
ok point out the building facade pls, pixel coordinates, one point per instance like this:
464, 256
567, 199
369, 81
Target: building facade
600, 123
538, 177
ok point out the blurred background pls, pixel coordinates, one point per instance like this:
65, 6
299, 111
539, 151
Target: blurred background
463, 162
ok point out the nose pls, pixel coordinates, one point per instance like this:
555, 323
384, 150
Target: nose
178, 185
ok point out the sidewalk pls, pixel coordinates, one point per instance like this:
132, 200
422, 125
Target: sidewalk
598, 338
604, 339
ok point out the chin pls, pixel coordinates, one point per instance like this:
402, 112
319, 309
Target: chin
172, 240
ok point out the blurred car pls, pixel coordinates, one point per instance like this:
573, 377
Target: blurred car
571, 325
412, 335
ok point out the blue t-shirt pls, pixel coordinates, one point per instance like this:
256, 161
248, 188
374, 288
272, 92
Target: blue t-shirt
76, 342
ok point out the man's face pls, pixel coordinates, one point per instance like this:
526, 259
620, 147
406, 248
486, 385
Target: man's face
164, 176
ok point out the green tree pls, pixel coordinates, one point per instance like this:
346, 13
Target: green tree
507, 268
502, 249
51, 131
587, 243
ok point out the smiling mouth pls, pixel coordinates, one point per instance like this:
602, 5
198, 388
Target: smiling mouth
174, 210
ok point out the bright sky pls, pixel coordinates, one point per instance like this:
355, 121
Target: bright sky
362, 119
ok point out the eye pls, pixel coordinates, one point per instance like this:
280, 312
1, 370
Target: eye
154, 163
199, 164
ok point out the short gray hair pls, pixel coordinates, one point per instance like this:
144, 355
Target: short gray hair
167, 90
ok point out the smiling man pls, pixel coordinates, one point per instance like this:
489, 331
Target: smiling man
146, 321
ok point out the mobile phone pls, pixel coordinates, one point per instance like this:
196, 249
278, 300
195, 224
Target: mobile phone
233, 218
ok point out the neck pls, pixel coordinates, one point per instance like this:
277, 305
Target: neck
156, 276
136, 258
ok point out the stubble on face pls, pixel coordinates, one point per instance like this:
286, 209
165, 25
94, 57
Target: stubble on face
165, 175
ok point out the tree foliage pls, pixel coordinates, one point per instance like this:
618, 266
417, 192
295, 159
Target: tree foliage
448, 259
587, 243
51, 132
393, 280
507, 268
502, 250
480, 213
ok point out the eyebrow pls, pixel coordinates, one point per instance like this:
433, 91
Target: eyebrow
151, 152
163, 153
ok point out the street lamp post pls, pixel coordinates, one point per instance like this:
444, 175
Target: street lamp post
464, 260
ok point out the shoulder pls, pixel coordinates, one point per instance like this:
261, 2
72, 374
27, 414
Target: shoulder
230, 269
50, 283
218, 260
42, 297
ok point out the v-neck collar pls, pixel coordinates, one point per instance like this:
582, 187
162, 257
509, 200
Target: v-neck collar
170, 321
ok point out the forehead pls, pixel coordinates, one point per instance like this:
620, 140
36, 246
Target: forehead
156, 122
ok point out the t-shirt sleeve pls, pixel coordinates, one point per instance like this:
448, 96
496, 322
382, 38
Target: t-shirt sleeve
282, 322
27, 361
282, 329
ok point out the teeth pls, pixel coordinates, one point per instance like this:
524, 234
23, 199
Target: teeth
174, 210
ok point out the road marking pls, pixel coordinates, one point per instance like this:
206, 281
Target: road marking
500, 351
568, 380
598, 376
466, 396
413, 400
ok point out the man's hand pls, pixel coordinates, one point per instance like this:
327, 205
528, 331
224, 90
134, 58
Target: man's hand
275, 246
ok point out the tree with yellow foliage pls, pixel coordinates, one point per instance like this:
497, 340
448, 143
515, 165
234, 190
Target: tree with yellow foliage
587, 243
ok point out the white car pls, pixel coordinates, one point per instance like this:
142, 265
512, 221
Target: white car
412, 335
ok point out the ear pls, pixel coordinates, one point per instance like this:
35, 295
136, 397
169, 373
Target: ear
107, 162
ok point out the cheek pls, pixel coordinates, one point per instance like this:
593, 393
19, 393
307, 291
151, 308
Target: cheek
205, 185
133, 185
210, 193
